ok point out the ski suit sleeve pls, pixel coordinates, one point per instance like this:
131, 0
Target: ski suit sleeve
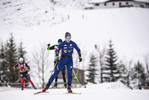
27, 65
78, 49
57, 50
51, 48
15, 66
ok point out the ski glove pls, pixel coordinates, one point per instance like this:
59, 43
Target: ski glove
48, 46
57, 59
80, 58
29, 70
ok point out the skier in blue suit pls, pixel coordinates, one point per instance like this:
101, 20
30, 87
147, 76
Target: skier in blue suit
67, 47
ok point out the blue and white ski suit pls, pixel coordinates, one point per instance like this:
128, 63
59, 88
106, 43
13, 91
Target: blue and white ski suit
66, 59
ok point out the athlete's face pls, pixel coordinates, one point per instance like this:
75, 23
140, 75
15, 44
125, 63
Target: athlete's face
21, 62
68, 38
59, 43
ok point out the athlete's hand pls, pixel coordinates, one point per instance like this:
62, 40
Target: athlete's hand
57, 59
48, 46
29, 70
80, 58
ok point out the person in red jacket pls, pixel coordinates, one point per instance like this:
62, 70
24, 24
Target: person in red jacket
24, 68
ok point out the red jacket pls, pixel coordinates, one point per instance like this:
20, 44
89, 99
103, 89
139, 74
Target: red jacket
22, 66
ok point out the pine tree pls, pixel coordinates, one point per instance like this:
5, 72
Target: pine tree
11, 58
3, 65
111, 73
92, 70
138, 75
101, 57
123, 73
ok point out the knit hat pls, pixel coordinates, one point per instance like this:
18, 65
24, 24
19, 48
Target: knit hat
59, 40
67, 34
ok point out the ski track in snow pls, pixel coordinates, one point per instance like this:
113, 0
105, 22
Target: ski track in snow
105, 91
91, 93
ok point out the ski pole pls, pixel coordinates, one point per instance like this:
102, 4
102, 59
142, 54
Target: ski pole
76, 76
53, 69
14, 74
77, 69
47, 67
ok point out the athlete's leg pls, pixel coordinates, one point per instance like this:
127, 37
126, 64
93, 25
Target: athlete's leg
21, 78
29, 79
69, 71
57, 70
55, 64
64, 76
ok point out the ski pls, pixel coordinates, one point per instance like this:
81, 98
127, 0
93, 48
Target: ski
48, 92
74, 93
40, 92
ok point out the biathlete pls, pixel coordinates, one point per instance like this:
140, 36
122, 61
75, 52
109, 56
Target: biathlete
55, 47
24, 68
67, 47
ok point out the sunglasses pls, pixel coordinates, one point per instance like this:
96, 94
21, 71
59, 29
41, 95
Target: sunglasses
68, 37
59, 42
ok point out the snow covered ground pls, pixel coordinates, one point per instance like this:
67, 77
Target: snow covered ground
106, 91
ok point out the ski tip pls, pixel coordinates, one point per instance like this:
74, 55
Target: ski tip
37, 93
74, 93
79, 93
40, 92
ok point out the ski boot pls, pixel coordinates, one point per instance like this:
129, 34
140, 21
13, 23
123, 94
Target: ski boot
55, 85
65, 86
69, 89
45, 88
34, 87
22, 88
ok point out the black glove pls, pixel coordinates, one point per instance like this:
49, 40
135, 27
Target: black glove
29, 70
48, 46
56, 59
55, 63
80, 58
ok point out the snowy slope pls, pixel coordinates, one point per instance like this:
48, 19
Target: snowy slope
38, 23
95, 92
44, 22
